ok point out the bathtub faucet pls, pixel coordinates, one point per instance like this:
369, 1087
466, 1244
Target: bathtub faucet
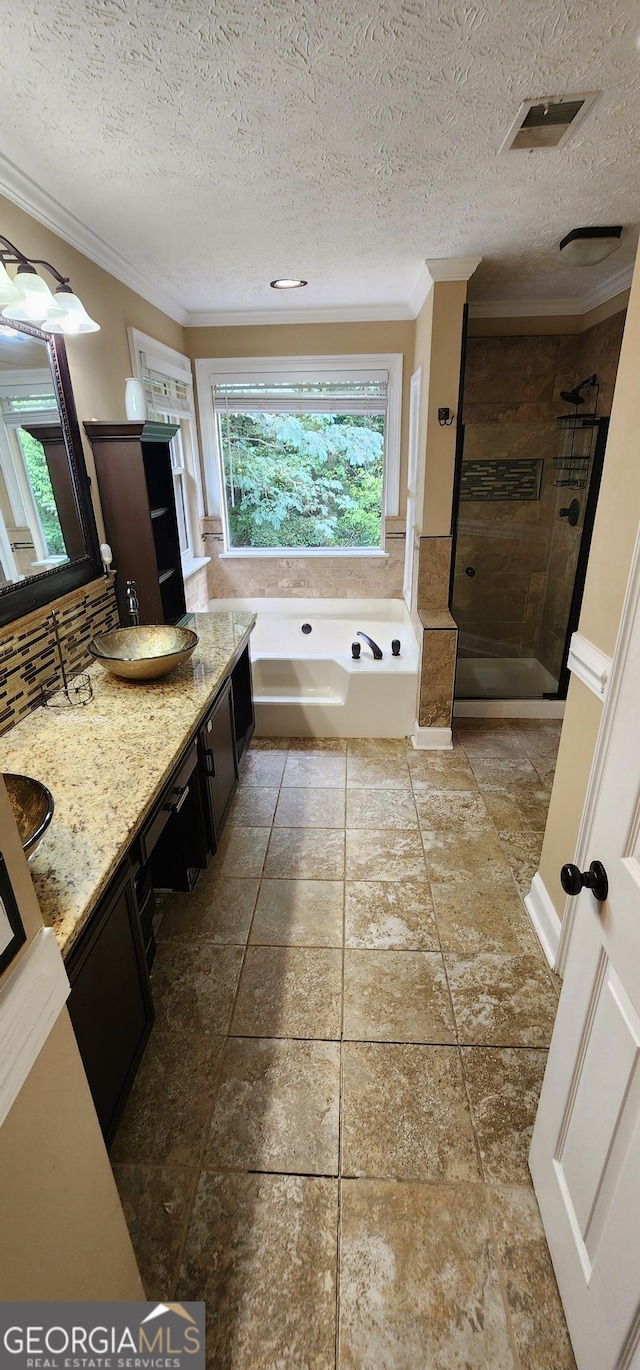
373, 645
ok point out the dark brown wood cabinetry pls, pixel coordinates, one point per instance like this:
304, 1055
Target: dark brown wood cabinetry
133, 465
217, 744
110, 1004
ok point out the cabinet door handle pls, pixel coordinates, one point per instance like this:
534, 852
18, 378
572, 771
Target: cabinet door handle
210, 765
177, 807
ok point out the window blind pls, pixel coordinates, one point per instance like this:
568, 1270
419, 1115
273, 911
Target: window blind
367, 395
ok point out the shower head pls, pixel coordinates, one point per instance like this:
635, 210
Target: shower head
574, 396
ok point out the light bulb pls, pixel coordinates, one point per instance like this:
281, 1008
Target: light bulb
37, 302
10, 293
74, 317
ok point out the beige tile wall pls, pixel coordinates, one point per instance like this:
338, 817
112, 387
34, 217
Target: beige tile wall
306, 577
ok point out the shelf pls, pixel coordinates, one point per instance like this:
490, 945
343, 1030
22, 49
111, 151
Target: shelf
157, 513
166, 574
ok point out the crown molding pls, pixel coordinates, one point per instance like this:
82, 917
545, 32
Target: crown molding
451, 268
531, 309
29, 196
231, 318
420, 290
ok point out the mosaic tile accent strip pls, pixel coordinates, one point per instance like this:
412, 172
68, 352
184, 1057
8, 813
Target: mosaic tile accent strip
501, 479
29, 661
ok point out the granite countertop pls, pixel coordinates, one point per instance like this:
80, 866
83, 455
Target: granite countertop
106, 763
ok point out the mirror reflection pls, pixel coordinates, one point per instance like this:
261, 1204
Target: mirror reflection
40, 526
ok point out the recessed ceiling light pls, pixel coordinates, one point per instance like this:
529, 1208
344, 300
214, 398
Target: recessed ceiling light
586, 246
286, 283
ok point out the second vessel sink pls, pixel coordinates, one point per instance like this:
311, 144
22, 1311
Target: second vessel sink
32, 805
145, 652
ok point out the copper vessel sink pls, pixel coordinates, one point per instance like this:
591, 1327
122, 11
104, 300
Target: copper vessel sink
145, 652
32, 806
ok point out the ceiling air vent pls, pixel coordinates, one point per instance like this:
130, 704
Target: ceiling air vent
546, 122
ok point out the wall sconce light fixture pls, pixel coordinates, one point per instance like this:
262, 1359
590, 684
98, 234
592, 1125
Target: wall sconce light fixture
27, 298
445, 417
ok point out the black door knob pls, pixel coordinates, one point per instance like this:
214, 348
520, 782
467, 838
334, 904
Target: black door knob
469, 571
571, 513
595, 879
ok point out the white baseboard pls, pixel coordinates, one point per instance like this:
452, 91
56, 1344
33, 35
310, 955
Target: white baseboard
431, 739
509, 708
544, 917
30, 1001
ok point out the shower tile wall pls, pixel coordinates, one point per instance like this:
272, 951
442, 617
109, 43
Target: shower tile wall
523, 555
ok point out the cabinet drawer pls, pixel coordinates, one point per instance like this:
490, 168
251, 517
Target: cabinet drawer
170, 802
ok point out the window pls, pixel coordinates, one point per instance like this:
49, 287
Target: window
30, 533
306, 451
166, 376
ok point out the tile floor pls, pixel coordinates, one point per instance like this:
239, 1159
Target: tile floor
327, 1138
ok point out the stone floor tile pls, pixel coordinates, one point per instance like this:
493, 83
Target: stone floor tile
537, 737
241, 851
277, 1108
319, 770
504, 1087
534, 1303
456, 859
269, 744
219, 910
262, 1251
397, 915
486, 737
377, 773
513, 793
253, 807
381, 854
156, 1203
405, 1113
380, 748
381, 809
419, 1288
461, 812
522, 850
441, 771
168, 1110
299, 913
305, 854
308, 807
194, 985
546, 768
501, 1000
318, 744
482, 917
396, 996
263, 768
289, 992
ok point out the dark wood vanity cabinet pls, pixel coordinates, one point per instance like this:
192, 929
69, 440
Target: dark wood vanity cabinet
133, 465
217, 747
110, 1004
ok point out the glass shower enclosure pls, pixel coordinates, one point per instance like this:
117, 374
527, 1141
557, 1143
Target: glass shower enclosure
526, 496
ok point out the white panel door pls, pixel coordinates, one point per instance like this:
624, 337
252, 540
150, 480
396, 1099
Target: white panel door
585, 1153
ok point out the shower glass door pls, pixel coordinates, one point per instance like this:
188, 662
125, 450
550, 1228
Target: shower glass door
525, 491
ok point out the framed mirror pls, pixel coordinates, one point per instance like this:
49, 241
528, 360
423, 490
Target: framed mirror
48, 536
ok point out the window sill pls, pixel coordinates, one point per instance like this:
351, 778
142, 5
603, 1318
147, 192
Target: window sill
192, 564
303, 553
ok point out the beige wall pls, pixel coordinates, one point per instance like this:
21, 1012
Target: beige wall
299, 576
614, 535
99, 362
539, 324
63, 1233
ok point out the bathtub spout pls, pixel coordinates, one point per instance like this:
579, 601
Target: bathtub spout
373, 645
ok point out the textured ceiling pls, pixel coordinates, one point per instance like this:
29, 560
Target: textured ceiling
215, 146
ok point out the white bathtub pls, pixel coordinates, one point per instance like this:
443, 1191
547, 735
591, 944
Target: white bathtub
308, 685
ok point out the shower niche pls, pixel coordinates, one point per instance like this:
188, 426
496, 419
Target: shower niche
527, 483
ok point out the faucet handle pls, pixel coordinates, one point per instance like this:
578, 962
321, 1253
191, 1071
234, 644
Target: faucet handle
355, 651
395, 646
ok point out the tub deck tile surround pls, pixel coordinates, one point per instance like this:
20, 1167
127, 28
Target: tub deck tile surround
105, 764
352, 1187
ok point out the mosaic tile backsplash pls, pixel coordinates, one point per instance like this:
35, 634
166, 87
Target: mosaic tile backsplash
501, 479
29, 659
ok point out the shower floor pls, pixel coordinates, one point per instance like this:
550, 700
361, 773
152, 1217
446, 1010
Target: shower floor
502, 677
